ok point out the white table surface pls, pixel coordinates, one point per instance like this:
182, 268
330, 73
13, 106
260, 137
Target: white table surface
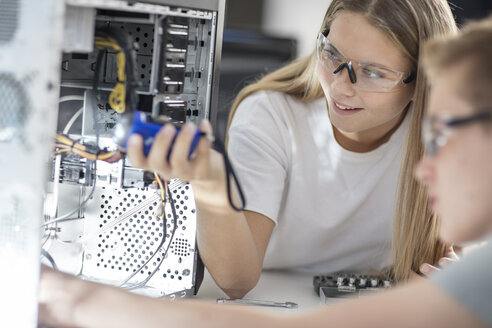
278, 286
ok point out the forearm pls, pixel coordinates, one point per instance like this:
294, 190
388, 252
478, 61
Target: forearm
417, 304
103, 306
225, 240
227, 247
229, 252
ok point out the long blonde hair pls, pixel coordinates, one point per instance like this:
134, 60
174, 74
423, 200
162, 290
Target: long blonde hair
408, 23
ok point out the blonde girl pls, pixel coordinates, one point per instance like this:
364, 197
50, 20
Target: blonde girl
325, 150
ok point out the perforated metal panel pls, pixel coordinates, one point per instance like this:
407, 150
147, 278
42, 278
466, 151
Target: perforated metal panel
16, 225
143, 37
30, 48
14, 105
125, 234
81, 69
9, 15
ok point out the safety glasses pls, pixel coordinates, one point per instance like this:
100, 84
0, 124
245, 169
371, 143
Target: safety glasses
436, 131
366, 76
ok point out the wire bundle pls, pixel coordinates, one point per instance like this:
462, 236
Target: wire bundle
123, 97
65, 144
117, 98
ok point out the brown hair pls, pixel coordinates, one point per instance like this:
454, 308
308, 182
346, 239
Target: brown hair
474, 47
407, 23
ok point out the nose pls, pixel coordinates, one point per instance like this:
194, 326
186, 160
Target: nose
341, 83
350, 71
425, 171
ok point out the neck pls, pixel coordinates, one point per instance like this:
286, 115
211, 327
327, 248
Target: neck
366, 141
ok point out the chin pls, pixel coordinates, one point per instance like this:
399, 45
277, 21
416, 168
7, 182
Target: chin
450, 235
345, 128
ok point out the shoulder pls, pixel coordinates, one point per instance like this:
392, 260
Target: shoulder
267, 99
468, 281
272, 104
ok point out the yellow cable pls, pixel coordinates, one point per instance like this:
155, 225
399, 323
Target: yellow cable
163, 192
69, 142
117, 97
163, 195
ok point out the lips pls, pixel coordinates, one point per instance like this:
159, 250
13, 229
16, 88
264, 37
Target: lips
344, 109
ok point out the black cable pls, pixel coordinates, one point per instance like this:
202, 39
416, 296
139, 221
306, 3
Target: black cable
175, 217
49, 258
125, 42
97, 72
175, 226
230, 173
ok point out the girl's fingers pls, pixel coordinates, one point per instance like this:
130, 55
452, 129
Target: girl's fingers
452, 254
202, 152
427, 269
157, 158
135, 151
181, 149
174, 163
443, 261
206, 127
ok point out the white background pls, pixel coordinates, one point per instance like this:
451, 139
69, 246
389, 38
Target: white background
300, 19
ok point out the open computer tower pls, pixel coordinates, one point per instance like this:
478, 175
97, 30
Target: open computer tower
61, 84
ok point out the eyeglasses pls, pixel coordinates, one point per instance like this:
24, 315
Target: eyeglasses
368, 76
436, 131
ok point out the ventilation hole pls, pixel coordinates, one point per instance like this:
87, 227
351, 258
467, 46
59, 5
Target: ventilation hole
8, 23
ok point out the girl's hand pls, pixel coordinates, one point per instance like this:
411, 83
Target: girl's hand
427, 269
204, 165
58, 294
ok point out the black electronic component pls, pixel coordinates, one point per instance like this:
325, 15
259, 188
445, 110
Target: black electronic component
175, 110
73, 171
344, 284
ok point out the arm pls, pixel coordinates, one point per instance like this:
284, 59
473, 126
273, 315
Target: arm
417, 304
66, 302
232, 244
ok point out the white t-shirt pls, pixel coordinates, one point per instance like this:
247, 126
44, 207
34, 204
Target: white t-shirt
468, 282
332, 208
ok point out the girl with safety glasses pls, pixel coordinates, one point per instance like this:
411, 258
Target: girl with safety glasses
324, 149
